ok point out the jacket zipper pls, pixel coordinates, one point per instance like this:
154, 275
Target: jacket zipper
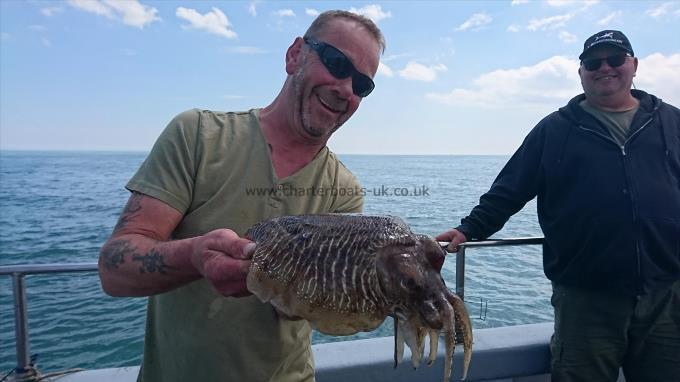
630, 193
623, 147
610, 139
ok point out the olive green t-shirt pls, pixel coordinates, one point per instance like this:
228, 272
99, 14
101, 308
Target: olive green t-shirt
215, 168
617, 122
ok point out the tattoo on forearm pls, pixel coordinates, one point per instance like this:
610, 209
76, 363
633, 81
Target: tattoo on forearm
115, 254
152, 262
131, 209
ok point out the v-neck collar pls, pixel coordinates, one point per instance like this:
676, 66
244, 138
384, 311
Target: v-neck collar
321, 155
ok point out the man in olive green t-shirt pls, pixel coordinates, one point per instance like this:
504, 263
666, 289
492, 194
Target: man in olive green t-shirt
212, 175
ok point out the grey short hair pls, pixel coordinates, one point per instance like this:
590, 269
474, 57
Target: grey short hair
324, 18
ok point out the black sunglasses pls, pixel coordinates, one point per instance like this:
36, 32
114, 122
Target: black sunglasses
613, 61
341, 67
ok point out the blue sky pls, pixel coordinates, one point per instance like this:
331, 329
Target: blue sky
456, 78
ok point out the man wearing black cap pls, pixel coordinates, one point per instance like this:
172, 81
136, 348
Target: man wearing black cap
605, 169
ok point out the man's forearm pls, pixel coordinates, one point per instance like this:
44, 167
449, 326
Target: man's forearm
135, 265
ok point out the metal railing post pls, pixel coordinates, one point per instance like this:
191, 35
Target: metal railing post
21, 323
460, 272
460, 255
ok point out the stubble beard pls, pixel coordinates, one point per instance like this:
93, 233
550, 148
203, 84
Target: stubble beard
304, 112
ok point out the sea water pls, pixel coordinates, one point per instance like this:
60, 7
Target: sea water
60, 207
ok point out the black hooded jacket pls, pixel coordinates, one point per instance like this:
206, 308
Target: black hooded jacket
610, 214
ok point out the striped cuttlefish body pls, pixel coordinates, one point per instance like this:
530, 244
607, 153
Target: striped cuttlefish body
346, 273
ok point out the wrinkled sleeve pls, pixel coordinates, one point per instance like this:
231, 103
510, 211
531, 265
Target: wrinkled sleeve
516, 184
168, 172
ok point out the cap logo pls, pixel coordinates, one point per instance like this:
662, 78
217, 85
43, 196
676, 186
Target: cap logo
605, 35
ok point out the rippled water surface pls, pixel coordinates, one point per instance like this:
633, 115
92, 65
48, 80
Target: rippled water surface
61, 206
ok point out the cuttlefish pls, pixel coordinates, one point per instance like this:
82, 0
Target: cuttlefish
346, 273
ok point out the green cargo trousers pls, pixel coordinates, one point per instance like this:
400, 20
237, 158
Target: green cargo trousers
597, 332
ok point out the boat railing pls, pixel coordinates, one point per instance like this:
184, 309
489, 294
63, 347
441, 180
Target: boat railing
19, 272
460, 255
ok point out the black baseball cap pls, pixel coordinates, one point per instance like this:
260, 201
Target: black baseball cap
607, 37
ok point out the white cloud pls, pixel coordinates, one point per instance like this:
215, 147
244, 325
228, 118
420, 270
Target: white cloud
518, 2
285, 13
92, 6
252, 8
46, 42
658, 74
373, 12
393, 57
50, 11
567, 37
130, 12
418, 72
661, 10
553, 82
37, 28
215, 22
233, 96
475, 21
312, 12
610, 18
547, 23
134, 13
550, 82
245, 50
568, 3
4, 36
514, 28
385, 70
560, 21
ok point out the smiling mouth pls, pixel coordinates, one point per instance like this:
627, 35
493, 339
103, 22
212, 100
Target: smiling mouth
605, 77
328, 105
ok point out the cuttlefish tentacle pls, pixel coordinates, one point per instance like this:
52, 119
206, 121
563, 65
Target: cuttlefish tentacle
449, 339
434, 343
463, 324
411, 334
422, 332
398, 342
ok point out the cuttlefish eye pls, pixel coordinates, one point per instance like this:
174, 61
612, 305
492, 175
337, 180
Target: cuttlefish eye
408, 284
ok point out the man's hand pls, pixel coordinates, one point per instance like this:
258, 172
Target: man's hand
454, 237
223, 258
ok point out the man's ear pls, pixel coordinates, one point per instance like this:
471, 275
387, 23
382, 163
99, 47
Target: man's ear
294, 55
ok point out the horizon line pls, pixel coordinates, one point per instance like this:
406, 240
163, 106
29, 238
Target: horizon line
134, 151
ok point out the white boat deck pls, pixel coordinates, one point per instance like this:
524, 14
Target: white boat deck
508, 354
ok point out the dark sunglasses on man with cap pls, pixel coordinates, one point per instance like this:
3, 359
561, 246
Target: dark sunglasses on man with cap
341, 67
614, 61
